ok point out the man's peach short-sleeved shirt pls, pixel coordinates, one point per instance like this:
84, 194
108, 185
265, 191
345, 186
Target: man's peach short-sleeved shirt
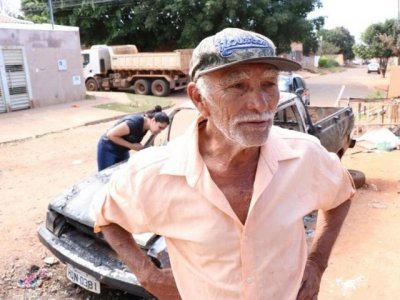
168, 190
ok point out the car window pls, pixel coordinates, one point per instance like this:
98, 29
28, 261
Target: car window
283, 83
289, 118
299, 83
181, 121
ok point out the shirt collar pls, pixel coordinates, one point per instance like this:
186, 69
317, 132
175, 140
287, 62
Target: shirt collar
187, 161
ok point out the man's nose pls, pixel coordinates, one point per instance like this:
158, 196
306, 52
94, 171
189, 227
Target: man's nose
258, 100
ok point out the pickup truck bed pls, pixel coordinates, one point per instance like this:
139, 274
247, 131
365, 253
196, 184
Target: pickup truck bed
331, 125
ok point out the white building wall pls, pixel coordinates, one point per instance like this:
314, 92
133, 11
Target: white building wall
53, 60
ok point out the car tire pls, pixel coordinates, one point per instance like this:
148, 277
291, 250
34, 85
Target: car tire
358, 178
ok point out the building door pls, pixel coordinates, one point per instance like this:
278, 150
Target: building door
13, 72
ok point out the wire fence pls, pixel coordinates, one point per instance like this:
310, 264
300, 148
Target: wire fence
373, 113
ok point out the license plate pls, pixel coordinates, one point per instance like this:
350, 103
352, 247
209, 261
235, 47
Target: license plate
83, 279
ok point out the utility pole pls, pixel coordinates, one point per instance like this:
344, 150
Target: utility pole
51, 14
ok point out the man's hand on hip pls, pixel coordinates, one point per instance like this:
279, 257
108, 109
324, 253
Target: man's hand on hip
310, 282
161, 283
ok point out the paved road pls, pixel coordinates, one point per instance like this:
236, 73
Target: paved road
325, 89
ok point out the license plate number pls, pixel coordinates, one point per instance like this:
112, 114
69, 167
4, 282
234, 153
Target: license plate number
83, 279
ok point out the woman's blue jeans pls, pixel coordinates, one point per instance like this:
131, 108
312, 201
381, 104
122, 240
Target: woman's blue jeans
107, 155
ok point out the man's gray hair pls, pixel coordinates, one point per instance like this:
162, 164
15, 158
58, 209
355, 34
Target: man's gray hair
203, 87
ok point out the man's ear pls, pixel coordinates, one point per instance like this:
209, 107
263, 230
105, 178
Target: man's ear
197, 99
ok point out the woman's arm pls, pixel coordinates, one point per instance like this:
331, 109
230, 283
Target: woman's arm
116, 134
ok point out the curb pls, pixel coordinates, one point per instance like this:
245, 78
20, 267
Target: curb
104, 120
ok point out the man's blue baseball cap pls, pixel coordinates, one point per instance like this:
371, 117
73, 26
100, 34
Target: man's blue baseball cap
233, 46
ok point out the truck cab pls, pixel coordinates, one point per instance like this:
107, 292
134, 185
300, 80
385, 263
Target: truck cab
96, 62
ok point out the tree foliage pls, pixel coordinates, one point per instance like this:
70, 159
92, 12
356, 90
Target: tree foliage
35, 10
381, 41
327, 48
311, 41
171, 24
341, 38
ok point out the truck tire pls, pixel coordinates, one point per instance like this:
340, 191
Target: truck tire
91, 85
142, 87
160, 88
358, 178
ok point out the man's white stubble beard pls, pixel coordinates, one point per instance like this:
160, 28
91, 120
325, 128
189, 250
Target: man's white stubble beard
234, 134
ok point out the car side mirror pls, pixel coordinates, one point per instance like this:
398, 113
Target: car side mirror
299, 92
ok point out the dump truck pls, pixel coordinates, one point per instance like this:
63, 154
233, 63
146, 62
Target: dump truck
124, 67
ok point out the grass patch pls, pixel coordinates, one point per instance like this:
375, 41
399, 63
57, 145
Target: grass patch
138, 103
90, 97
330, 70
377, 94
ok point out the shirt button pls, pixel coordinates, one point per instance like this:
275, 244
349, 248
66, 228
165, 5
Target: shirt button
249, 280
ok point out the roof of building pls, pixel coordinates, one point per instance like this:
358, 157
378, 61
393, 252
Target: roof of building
8, 19
33, 26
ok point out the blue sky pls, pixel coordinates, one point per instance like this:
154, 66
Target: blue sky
356, 15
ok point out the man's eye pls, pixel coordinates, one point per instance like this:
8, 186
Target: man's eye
238, 85
268, 84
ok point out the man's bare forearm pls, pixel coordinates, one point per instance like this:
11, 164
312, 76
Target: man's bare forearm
328, 227
159, 282
128, 250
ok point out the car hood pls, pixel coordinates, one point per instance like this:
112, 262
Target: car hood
75, 202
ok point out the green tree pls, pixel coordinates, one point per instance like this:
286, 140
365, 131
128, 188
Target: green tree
311, 41
381, 41
341, 38
327, 48
171, 24
35, 10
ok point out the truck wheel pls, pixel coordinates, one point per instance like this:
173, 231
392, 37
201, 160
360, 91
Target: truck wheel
160, 88
91, 85
358, 178
142, 87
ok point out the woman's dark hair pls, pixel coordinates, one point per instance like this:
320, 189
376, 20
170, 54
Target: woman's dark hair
157, 114
161, 117
151, 113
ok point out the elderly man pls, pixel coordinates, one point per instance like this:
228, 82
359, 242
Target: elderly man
229, 196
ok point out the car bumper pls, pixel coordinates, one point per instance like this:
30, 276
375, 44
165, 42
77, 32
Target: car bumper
94, 258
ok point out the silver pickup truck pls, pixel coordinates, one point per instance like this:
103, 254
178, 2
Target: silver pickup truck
331, 125
91, 263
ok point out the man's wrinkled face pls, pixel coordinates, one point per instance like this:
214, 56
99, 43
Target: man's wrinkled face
241, 101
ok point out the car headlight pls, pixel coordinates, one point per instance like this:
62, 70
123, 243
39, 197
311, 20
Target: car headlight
55, 222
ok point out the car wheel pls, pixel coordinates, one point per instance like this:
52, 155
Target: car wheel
358, 178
